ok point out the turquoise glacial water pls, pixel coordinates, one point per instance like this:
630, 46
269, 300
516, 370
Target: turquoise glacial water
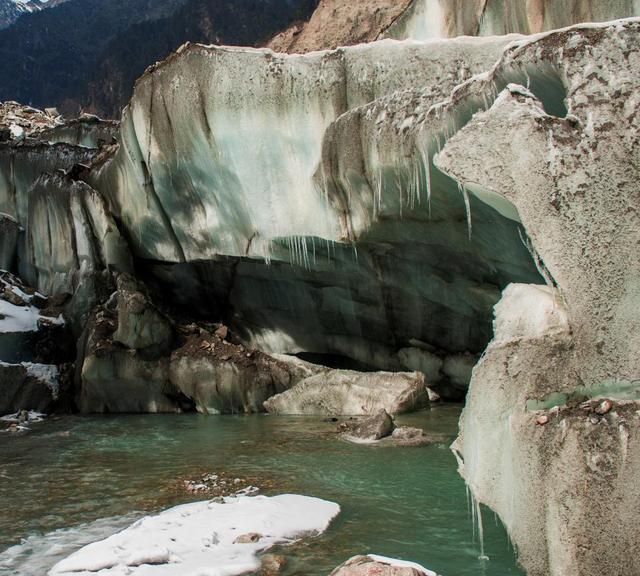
75, 479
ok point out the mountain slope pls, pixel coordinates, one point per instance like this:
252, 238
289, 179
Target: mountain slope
45, 57
340, 23
86, 54
238, 23
11, 10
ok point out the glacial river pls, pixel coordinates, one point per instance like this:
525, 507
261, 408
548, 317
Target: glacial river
74, 479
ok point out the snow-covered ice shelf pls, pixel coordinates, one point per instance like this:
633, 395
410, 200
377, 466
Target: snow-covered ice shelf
203, 538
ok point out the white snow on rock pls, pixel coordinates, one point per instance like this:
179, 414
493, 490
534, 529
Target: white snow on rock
14, 318
528, 311
17, 132
49, 374
199, 539
18, 318
32, 416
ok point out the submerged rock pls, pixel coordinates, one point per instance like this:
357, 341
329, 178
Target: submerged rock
272, 564
381, 430
410, 436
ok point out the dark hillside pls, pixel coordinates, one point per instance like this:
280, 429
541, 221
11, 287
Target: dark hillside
86, 54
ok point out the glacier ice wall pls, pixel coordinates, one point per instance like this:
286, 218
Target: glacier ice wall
549, 433
71, 243
220, 145
426, 19
286, 193
21, 165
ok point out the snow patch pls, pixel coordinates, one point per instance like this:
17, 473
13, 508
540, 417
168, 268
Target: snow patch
46, 373
17, 132
528, 311
201, 539
18, 318
32, 416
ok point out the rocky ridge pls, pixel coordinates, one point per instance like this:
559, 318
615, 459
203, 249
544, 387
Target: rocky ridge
337, 23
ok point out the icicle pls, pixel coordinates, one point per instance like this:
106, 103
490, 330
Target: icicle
426, 163
482, 556
379, 200
477, 527
485, 101
467, 205
416, 182
399, 187
307, 263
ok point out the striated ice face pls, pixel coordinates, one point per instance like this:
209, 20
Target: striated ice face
299, 192
427, 19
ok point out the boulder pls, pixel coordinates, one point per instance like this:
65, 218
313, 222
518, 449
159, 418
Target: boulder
371, 429
344, 392
227, 383
379, 566
113, 378
28, 387
141, 326
272, 564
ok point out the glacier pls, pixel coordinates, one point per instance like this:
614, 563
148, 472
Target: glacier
426, 19
463, 207
264, 204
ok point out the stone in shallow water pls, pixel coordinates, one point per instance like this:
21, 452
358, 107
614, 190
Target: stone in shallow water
372, 429
380, 566
273, 564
